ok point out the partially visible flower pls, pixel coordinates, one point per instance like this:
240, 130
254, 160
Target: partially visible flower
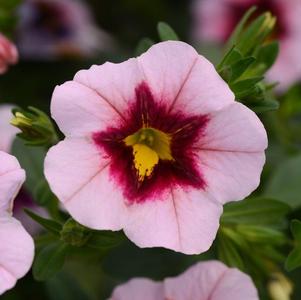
155, 146
7, 131
50, 29
16, 245
210, 280
215, 20
8, 53
280, 287
23, 199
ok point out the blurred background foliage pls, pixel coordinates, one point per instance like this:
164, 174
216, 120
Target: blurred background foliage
31, 82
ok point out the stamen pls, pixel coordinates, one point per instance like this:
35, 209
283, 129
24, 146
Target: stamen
149, 146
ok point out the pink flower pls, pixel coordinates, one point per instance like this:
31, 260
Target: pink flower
8, 53
50, 29
216, 19
7, 131
154, 146
210, 280
16, 245
23, 199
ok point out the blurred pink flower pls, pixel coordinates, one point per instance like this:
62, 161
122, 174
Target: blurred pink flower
154, 145
16, 245
216, 19
210, 280
50, 29
8, 53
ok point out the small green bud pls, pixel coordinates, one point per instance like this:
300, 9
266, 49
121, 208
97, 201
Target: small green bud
75, 234
36, 127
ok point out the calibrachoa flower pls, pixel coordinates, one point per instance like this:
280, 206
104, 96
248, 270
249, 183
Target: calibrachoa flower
49, 29
16, 245
154, 145
210, 280
227, 13
8, 53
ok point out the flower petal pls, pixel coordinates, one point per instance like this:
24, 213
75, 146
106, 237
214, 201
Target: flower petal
210, 280
184, 80
137, 289
17, 251
235, 128
79, 110
11, 179
80, 178
7, 131
234, 285
184, 221
231, 153
115, 83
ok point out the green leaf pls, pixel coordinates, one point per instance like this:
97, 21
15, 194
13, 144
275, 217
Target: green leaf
64, 286
240, 67
296, 230
284, 184
255, 33
50, 225
166, 33
240, 26
267, 55
240, 87
264, 106
50, 260
42, 193
256, 211
261, 234
228, 253
105, 239
294, 259
32, 160
143, 46
232, 56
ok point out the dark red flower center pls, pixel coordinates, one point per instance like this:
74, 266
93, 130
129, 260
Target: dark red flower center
178, 170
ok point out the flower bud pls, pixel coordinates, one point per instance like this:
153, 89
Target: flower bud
36, 127
75, 234
280, 288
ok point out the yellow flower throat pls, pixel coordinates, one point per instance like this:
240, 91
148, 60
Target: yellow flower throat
149, 145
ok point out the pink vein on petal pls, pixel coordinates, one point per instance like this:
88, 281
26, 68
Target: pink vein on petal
105, 99
86, 183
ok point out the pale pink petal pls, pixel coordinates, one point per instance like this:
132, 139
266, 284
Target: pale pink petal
185, 221
115, 83
235, 285
138, 289
17, 251
231, 153
7, 131
80, 178
210, 280
11, 179
184, 80
235, 128
79, 110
